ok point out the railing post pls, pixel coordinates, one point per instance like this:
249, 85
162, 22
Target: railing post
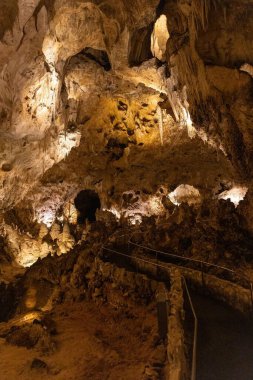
157, 271
195, 335
251, 296
194, 355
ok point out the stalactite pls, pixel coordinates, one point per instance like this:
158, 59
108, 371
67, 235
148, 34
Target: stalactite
192, 74
200, 13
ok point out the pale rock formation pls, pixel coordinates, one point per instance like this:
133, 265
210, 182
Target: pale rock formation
55, 231
159, 38
43, 231
65, 241
185, 193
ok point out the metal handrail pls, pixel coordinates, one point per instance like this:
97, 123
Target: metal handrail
195, 335
203, 263
178, 256
182, 257
135, 257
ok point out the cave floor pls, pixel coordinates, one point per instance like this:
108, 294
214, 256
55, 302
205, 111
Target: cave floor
92, 342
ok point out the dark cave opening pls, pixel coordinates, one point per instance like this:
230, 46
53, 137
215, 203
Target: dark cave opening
87, 202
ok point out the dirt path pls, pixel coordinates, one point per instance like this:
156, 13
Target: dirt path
93, 342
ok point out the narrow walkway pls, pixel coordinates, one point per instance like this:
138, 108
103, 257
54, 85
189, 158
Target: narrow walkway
225, 337
225, 342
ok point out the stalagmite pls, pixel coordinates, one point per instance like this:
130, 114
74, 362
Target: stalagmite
43, 231
55, 231
65, 241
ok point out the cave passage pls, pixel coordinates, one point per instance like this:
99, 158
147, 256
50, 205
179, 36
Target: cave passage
87, 202
224, 345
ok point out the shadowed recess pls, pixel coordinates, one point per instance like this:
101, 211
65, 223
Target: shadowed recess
87, 202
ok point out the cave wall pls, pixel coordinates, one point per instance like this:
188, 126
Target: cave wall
210, 46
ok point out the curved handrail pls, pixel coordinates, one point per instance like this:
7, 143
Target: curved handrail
196, 261
183, 258
201, 262
135, 257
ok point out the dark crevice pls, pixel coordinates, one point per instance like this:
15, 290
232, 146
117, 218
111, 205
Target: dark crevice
160, 8
8, 15
140, 46
98, 56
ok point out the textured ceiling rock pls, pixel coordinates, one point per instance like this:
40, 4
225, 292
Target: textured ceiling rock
31, 106
73, 29
77, 25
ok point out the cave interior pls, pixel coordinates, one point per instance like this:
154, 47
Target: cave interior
126, 192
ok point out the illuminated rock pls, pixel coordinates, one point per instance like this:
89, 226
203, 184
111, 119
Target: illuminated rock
43, 231
65, 241
235, 195
185, 193
159, 38
55, 231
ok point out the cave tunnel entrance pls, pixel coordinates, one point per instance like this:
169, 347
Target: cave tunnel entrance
87, 202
